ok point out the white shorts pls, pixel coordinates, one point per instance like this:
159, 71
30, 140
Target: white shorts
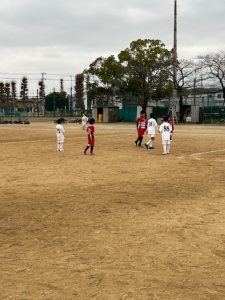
60, 138
166, 142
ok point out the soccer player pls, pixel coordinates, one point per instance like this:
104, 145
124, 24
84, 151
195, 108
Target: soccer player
84, 121
141, 123
91, 139
60, 135
165, 130
152, 127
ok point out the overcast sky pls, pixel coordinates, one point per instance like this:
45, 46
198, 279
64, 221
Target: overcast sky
64, 37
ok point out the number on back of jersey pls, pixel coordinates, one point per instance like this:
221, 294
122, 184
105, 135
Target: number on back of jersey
166, 128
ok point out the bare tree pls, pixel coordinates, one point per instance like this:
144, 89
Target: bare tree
183, 78
215, 65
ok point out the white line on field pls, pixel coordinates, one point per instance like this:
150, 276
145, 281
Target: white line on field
196, 155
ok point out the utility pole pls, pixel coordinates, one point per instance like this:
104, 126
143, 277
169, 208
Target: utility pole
54, 101
175, 59
71, 94
175, 41
43, 96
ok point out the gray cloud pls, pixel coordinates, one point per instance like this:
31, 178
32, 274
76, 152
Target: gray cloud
66, 36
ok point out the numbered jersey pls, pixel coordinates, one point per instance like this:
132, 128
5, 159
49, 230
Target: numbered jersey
152, 126
59, 129
91, 138
141, 123
165, 129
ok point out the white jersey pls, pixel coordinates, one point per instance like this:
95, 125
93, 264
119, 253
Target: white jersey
165, 129
59, 130
84, 120
152, 126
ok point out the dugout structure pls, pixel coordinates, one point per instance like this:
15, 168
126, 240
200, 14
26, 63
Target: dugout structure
106, 114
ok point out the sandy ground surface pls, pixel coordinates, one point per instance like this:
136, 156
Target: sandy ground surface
126, 223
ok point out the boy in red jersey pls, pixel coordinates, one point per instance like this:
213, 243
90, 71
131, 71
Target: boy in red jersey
141, 123
91, 139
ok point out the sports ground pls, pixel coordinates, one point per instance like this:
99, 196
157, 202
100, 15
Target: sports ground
126, 223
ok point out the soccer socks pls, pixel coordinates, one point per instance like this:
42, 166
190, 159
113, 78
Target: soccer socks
91, 150
164, 149
140, 140
86, 149
168, 149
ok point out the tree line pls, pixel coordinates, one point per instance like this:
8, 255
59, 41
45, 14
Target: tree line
52, 101
147, 71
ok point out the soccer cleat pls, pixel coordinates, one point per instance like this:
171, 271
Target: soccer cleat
146, 146
135, 143
91, 153
85, 153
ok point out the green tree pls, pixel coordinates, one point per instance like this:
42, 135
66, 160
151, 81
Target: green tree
56, 100
79, 91
13, 92
146, 63
2, 94
7, 95
24, 90
105, 76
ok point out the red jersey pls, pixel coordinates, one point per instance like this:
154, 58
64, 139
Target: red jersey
141, 123
170, 121
91, 138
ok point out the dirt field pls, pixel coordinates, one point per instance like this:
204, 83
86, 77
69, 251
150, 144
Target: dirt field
126, 223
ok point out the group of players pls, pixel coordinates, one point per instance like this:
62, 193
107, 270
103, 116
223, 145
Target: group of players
60, 133
143, 126
151, 127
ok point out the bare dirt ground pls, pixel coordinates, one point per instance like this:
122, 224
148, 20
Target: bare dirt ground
127, 223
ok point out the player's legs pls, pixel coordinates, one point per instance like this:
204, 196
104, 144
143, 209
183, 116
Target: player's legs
147, 144
151, 142
91, 151
85, 150
164, 147
140, 141
61, 146
168, 147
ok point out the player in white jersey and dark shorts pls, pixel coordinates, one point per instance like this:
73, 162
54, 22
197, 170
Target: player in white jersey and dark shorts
152, 128
165, 129
60, 135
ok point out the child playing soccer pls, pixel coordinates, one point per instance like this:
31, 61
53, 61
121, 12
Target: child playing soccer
91, 139
165, 130
141, 124
151, 128
60, 135
84, 121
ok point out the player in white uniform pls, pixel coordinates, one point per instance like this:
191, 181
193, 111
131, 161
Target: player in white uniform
152, 128
84, 121
60, 135
165, 129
